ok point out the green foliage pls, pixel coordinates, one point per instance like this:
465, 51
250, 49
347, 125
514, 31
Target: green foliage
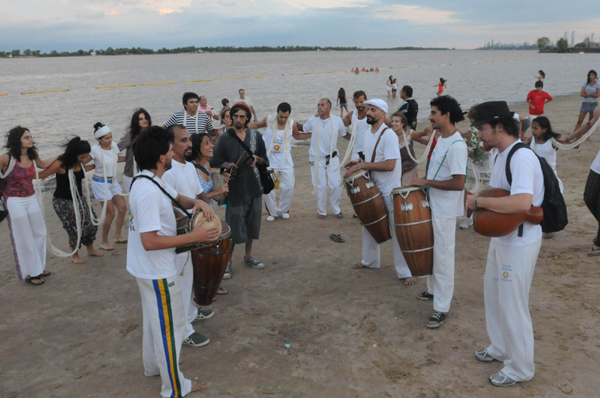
542, 42
563, 45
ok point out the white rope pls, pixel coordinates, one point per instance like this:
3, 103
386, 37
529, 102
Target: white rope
318, 152
96, 221
9, 169
423, 157
476, 175
76, 202
350, 149
285, 140
587, 135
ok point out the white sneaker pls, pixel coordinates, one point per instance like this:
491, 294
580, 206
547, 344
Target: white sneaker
270, 218
285, 216
466, 223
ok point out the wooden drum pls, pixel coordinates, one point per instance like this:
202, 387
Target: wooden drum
414, 230
368, 204
186, 224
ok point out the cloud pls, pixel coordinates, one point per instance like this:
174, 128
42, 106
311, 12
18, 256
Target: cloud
164, 11
324, 4
417, 15
112, 12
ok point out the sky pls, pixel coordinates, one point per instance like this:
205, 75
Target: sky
69, 25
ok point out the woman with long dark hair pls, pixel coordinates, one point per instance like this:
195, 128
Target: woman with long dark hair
590, 93
68, 169
341, 100
139, 121
25, 217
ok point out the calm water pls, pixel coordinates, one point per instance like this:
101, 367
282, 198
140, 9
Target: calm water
472, 76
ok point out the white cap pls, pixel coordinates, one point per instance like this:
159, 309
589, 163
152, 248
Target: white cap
101, 132
379, 103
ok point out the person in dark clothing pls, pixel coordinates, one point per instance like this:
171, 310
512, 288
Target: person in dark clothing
409, 107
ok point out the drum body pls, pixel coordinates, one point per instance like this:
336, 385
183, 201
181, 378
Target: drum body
368, 205
414, 229
186, 225
218, 182
210, 262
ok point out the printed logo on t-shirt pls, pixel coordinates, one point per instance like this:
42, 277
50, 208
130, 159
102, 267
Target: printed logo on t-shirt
131, 227
506, 274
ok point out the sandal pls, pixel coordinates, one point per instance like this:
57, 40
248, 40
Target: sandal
594, 251
220, 290
30, 280
337, 238
45, 273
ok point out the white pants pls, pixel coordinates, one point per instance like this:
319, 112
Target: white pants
127, 182
327, 176
508, 276
163, 333
531, 117
441, 282
27, 234
287, 181
187, 282
370, 248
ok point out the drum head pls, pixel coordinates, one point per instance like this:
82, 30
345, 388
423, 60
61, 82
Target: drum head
399, 190
355, 175
217, 181
198, 217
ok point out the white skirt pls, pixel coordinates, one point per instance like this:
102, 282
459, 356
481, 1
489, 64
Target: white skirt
100, 190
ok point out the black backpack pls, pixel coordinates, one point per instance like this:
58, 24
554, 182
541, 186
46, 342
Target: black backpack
555, 209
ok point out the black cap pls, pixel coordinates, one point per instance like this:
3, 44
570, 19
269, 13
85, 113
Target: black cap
489, 111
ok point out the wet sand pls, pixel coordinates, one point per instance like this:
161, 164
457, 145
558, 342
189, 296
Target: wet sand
358, 333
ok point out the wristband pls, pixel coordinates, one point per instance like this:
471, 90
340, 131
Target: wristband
475, 202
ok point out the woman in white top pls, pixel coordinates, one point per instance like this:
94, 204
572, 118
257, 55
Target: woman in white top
104, 184
541, 143
590, 93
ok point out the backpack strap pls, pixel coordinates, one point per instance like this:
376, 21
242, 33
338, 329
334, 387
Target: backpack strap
175, 202
514, 149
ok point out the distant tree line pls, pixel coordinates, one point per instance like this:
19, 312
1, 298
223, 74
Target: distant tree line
193, 49
490, 45
562, 45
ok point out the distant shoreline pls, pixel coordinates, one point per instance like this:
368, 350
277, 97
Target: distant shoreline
200, 50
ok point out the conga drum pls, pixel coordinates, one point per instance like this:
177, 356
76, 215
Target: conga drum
186, 224
210, 261
414, 230
368, 204
218, 182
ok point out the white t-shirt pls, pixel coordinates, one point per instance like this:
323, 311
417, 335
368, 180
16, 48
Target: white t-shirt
246, 101
447, 204
527, 177
183, 178
109, 159
278, 159
547, 151
312, 126
387, 149
150, 210
361, 128
595, 167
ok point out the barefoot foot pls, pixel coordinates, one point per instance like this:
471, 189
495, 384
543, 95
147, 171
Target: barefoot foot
410, 281
197, 386
93, 253
120, 239
106, 246
76, 259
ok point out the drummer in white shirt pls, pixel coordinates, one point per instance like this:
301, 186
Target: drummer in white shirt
386, 172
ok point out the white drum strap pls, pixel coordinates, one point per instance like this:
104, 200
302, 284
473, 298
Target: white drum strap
350, 148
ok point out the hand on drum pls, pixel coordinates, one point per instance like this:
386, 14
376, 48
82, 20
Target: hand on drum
470, 200
419, 182
226, 176
223, 189
200, 234
208, 211
352, 166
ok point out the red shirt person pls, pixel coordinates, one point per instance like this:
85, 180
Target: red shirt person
537, 99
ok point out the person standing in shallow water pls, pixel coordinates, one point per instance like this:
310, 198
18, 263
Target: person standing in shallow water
25, 217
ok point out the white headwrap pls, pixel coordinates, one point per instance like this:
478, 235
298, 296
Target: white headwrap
101, 132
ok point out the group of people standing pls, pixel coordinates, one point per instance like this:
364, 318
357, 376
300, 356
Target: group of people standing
173, 163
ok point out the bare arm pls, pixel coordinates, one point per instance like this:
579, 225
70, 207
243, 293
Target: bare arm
296, 132
43, 164
347, 119
152, 241
386, 165
456, 183
52, 169
4, 159
186, 202
258, 125
519, 203
582, 93
253, 111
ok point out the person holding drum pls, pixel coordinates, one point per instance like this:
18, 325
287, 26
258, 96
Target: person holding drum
183, 179
511, 259
278, 138
385, 166
323, 157
446, 181
245, 148
151, 259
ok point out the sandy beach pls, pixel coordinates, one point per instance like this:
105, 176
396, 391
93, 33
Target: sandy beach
351, 333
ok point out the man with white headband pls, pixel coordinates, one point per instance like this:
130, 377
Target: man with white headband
323, 156
383, 160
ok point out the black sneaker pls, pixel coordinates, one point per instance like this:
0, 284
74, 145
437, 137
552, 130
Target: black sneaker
436, 319
425, 296
196, 340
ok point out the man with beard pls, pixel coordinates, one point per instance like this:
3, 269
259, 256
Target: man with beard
446, 181
323, 157
358, 120
244, 202
386, 171
278, 141
183, 178
151, 260
193, 120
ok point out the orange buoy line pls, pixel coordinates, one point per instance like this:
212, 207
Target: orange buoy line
43, 92
232, 78
199, 81
3, 95
157, 84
